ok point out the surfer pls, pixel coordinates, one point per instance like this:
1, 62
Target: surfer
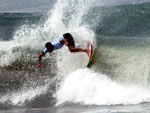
65, 39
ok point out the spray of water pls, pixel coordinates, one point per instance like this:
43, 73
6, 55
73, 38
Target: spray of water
83, 85
77, 83
89, 88
33, 37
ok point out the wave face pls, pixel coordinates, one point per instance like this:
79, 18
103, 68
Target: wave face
121, 38
124, 20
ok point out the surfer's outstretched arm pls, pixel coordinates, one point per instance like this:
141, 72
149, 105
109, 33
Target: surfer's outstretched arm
39, 59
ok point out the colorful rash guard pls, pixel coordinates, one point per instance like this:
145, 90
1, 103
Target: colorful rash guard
56, 44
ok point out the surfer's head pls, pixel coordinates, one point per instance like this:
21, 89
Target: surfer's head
49, 46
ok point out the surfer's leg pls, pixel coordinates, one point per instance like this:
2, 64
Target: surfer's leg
77, 49
71, 44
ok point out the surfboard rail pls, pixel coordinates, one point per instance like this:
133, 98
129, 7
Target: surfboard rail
91, 56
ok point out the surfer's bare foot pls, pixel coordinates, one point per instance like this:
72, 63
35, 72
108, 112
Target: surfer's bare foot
88, 52
88, 49
88, 44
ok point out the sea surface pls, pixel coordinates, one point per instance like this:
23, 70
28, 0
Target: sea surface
119, 81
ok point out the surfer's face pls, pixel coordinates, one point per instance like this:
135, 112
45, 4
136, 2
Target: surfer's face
49, 48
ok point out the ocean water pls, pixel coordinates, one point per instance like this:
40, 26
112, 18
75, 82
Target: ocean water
117, 83
25, 6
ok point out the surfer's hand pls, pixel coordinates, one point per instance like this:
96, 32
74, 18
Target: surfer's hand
38, 66
66, 42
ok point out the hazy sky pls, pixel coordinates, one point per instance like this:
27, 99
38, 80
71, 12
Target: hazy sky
25, 5
120, 2
44, 5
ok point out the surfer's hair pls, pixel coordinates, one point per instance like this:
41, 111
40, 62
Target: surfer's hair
48, 44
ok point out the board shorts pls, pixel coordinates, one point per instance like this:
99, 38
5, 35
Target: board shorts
69, 39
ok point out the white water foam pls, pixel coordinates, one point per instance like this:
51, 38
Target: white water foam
26, 94
90, 88
33, 38
73, 23
83, 85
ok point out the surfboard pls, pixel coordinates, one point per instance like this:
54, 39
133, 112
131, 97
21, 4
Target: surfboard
91, 56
